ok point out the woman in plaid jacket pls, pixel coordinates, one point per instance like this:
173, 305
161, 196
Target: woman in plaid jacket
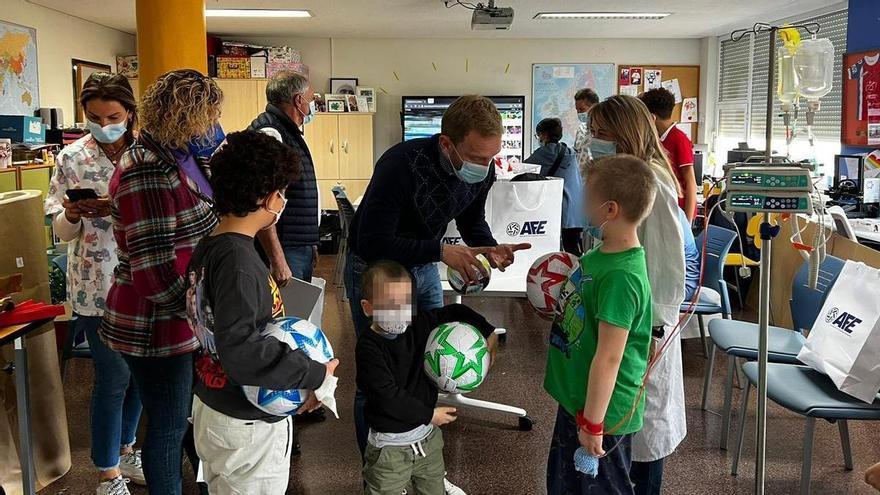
161, 208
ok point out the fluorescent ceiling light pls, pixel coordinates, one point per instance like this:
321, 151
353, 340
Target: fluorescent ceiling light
256, 13
601, 15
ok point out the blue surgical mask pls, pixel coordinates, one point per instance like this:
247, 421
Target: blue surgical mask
108, 134
205, 146
470, 172
595, 231
602, 147
311, 115
584, 117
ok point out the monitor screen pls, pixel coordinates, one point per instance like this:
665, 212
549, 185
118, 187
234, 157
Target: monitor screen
421, 116
848, 167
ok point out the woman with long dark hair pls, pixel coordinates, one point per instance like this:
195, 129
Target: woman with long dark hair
89, 163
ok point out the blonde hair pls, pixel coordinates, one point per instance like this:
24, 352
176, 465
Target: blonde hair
181, 105
471, 113
632, 125
635, 195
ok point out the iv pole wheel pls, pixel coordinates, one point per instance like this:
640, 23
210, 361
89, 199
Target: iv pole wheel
526, 423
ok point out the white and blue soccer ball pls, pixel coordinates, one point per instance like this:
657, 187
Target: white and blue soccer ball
298, 334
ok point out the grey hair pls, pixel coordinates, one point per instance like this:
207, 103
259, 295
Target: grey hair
284, 86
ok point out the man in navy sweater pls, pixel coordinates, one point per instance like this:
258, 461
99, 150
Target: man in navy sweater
418, 187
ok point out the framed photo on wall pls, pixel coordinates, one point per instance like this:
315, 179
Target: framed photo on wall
343, 85
860, 113
81, 72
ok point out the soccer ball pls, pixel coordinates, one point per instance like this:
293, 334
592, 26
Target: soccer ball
545, 279
456, 357
456, 281
298, 334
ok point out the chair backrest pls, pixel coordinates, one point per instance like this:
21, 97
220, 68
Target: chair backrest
346, 212
841, 223
807, 302
717, 246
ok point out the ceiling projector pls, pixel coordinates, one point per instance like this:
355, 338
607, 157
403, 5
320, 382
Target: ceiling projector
492, 18
486, 17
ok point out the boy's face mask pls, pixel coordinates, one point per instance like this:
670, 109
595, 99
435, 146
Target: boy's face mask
393, 322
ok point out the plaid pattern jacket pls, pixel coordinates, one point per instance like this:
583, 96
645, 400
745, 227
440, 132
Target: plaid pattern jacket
159, 216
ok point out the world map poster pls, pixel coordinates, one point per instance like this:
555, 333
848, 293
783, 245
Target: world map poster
19, 83
553, 89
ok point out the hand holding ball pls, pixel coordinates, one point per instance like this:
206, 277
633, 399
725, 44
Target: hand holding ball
456, 357
477, 281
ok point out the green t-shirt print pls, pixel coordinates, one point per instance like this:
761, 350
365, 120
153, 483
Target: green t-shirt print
609, 287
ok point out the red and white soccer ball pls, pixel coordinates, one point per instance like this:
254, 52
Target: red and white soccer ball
545, 279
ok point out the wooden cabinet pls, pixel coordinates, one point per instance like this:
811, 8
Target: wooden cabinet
241, 103
342, 149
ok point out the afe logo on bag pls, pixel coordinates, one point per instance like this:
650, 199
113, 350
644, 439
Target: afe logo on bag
846, 322
451, 240
537, 227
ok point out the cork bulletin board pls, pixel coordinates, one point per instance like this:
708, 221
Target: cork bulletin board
688, 77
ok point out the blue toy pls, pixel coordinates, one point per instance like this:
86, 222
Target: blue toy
586, 463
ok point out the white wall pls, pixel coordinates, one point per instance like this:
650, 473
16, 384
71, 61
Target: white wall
374, 62
61, 38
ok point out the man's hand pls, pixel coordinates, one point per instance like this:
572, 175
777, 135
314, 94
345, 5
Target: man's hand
591, 443
492, 341
872, 476
280, 271
311, 404
95, 208
443, 416
501, 256
71, 210
464, 260
314, 257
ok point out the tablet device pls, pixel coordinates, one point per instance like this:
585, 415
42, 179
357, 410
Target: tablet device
299, 298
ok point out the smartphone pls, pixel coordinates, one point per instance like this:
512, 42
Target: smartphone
80, 194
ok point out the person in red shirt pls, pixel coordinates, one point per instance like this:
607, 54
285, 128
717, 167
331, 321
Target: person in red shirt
660, 102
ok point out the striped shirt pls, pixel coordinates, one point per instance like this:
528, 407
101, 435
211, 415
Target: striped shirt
159, 216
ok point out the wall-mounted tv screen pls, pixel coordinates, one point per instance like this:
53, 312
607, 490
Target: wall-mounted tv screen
421, 115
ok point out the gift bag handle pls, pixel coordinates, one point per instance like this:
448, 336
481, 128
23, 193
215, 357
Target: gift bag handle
519, 202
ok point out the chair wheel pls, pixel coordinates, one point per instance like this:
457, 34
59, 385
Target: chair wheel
502, 338
525, 423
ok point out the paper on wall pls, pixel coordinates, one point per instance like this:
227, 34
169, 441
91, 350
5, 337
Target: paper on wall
673, 87
873, 133
687, 128
653, 78
629, 90
689, 110
624, 77
635, 76
563, 72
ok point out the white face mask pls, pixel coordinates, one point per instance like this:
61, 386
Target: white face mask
276, 213
393, 321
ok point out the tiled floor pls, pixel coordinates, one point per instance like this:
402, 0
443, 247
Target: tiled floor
486, 454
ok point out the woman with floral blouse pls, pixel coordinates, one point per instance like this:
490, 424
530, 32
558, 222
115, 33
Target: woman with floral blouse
89, 163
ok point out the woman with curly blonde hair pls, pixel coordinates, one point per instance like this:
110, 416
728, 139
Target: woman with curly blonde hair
161, 207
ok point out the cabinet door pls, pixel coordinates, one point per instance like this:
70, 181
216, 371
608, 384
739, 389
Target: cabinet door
328, 201
356, 137
240, 104
323, 139
260, 88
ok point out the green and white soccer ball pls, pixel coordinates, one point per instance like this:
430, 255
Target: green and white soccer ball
456, 357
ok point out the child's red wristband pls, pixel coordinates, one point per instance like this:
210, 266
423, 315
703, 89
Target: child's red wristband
596, 429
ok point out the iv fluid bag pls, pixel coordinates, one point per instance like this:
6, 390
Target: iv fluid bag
786, 79
814, 65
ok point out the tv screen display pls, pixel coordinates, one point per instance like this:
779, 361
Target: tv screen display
421, 116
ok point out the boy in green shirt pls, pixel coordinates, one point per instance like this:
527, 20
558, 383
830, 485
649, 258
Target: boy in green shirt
600, 342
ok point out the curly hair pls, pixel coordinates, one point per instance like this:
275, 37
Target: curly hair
660, 102
249, 167
181, 105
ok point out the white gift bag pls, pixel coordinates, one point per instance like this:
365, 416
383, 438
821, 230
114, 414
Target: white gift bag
845, 340
318, 311
529, 211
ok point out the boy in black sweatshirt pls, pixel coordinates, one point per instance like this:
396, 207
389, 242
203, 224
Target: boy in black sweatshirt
230, 299
404, 446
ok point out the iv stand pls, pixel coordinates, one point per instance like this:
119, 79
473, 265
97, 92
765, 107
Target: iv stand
768, 232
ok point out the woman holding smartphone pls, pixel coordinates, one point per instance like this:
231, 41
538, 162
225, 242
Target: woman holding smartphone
80, 211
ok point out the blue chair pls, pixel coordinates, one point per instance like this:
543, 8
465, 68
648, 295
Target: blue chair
70, 348
811, 394
739, 339
714, 287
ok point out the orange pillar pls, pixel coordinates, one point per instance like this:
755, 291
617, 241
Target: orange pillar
171, 35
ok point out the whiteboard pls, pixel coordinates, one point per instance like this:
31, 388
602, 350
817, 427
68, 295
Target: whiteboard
553, 89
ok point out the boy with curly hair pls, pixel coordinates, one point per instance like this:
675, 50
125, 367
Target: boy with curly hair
230, 299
